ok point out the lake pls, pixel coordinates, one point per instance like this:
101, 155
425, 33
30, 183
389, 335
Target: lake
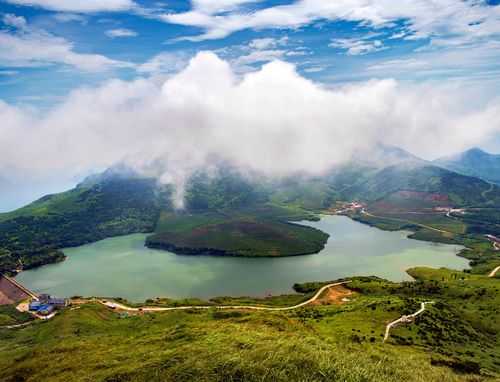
123, 267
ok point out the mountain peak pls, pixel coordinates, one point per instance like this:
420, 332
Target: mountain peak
475, 151
474, 162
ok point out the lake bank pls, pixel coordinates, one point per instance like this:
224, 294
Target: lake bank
124, 267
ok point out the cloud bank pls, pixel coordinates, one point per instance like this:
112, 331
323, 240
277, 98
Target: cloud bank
272, 121
461, 21
83, 6
23, 46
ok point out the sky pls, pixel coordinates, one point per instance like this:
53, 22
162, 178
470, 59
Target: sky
277, 86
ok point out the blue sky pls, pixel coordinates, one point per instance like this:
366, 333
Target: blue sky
343, 43
265, 83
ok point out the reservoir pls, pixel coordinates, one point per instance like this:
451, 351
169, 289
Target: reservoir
124, 267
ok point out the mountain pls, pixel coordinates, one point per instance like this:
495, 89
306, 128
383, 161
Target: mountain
33, 235
390, 170
460, 190
473, 162
226, 212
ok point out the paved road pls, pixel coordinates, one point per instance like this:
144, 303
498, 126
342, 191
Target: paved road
115, 305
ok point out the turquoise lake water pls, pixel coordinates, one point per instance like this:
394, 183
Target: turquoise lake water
122, 266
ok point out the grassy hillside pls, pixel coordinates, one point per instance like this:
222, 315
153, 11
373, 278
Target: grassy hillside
456, 339
474, 162
234, 213
460, 190
32, 235
235, 234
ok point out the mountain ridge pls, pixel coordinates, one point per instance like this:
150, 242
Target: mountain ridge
473, 162
239, 211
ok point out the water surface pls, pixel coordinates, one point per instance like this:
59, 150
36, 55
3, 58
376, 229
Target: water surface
122, 266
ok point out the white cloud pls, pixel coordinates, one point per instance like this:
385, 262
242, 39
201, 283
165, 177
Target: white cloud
456, 20
356, 47
14, 21
70, 17
273, 121
267, 43
165, 62
468, 61
297, 53
219, 6
26, 46
314, 69
78, 6
258, 56
121, 32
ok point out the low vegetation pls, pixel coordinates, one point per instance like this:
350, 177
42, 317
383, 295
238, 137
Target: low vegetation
33, 236
240, 233
456, 339
227, 213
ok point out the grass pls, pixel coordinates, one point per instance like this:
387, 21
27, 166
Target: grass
32, 235
245, 232
462, 229
9, 315
455, 340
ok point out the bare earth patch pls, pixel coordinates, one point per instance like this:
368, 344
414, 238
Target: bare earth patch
335, 295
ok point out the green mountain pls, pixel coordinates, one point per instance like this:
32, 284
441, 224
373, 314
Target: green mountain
94, 210
473, 162
227, 213
459, 190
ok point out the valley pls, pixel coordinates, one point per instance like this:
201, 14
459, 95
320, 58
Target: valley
227, 213
249, 191
124, 267
176, 282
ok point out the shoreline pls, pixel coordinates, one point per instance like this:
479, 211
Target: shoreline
258, 292
210, 252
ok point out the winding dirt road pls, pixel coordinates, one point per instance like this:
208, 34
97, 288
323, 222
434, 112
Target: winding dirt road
116, 305
405, 319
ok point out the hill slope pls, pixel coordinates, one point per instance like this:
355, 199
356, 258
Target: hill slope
227, 212
32, 235
455, 339
474, 162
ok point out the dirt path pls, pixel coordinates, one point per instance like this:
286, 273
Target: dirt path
483, 194
337, 295
405, 319
116, 305
18, 325
494, 272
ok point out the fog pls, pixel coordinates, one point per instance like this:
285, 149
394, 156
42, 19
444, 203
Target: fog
272, 121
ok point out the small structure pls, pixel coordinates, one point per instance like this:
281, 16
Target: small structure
34, 306
51, 300
46, 304
43, 297
46, 309
58, 302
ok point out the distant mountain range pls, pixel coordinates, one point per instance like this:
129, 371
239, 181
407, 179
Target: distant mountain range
473, 162
234, 214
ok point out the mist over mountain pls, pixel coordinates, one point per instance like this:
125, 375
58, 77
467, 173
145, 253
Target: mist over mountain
473, 162
232, 200
272, 120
